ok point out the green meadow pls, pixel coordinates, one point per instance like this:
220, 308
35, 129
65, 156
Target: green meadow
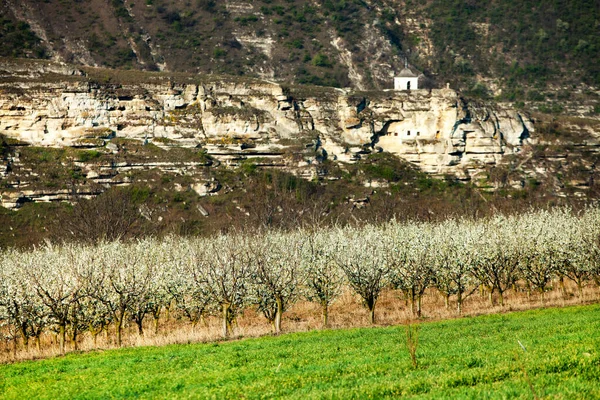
477, 357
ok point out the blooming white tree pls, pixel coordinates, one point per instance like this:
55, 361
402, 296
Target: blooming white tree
541, 253
583, 249
498, 257
363, 258
56, 276
191, 298
408, 249
171, 255
125, 279
324, 279
222, 264
187, 290
276, 273
22, 312
95, 316
151, 267
453, 258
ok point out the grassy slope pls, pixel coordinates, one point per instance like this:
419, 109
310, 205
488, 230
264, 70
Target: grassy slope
468, 358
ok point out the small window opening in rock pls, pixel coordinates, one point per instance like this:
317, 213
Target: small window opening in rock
395, 133
418, 133
408, 133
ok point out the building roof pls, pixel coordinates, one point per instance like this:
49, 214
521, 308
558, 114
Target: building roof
407, 73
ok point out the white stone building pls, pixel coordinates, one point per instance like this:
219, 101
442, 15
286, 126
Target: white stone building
406, 80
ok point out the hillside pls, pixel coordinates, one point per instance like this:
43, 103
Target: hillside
517, 50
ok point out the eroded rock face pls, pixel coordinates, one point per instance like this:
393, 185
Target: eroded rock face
434, 129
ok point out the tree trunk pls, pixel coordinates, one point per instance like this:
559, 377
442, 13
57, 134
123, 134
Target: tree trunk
278, 314
95, 331
119, 328
25, 336
447, 300
563, 289
372, 315
459, 301
580, 288
325, 308
491, 296
501, 297
226, 307
62, 332
74, 344
542, 295
369, 303
413, 303
168, 311
38, 342
140, 325
419, 303
156, 319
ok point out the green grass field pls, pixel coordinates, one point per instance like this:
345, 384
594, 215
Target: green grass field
464, 358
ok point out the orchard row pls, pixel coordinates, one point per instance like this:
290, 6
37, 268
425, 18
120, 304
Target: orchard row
72, 289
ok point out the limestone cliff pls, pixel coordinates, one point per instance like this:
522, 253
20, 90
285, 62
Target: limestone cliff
54, 105
435, 129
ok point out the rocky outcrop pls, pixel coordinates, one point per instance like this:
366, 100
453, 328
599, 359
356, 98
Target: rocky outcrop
434, 129
57, 106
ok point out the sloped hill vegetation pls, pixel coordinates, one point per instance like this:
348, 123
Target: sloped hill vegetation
524, 43
326, 42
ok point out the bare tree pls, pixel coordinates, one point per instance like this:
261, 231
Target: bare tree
111, 216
